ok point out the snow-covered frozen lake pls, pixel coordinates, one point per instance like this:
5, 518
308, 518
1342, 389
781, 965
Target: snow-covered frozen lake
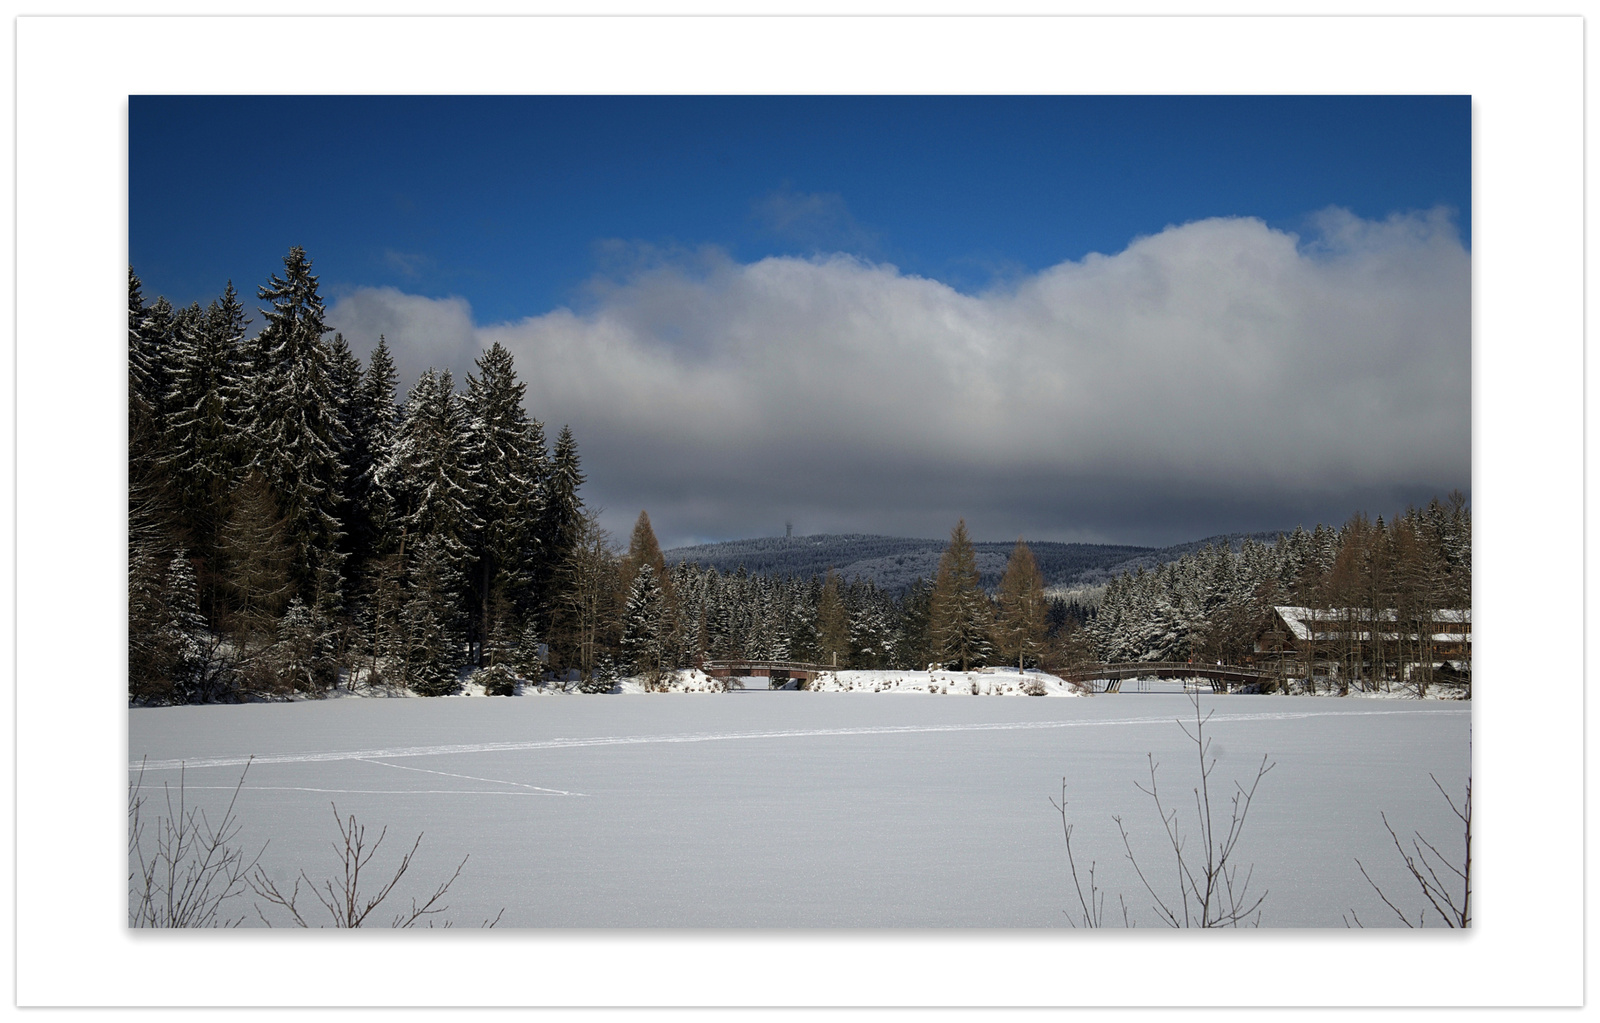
798, 809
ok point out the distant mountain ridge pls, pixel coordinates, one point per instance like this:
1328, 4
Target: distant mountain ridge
893, 562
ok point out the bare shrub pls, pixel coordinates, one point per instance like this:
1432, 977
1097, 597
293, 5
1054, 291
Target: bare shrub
1446, 888
1210, 891
189, 870
342, 897
193, 867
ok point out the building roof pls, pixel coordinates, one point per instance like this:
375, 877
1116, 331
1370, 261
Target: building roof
1300, 621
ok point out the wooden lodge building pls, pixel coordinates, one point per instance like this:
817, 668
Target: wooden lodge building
1356, 645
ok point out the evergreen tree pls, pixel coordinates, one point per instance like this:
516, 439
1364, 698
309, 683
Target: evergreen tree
603, 679
170, 649
959, 613
297, 429
507, 455
803, 600
345, 381
153, 516
560, 525
304, 657
204, 449
150, 343
186, 639
428, 473
643, 549
370, 507
644, 623
872, 626
1020, 624
149, 659
912, 639
431, 661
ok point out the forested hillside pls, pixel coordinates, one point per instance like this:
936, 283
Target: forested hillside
1215, 602
894, 562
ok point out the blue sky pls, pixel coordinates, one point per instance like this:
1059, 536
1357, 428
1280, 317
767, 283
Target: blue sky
510, 201
664, 221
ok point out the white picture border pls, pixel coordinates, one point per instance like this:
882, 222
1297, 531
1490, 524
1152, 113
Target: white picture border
73, 79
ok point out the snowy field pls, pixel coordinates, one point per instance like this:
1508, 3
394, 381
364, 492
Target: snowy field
815, 809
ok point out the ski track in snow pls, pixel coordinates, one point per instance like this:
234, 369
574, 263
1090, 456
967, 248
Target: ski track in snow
636, 740
380, 792
537, 789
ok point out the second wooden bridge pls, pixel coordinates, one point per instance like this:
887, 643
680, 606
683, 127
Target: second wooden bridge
1223, 677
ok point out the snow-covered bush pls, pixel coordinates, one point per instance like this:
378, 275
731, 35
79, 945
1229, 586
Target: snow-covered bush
603, 680
496, 680
304, 658
435, 679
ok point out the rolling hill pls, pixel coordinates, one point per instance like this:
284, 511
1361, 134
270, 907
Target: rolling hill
893, 562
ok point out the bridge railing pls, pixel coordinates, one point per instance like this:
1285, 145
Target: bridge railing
751, 662
1132, 669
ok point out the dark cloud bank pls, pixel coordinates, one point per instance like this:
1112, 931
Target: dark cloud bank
1219, 376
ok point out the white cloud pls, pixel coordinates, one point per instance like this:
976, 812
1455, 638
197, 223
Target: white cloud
421, 332
1219, 368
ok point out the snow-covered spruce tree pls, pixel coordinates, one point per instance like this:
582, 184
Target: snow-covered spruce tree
498, 679
718, 617
431, 639
803, 597
689, 639
149, 680
506, 451
169, 648
872, 624
529, 654
560, 526
197, 675
428, 472
644, 625
150, 342
346, 378
959, 613
204, 452
304, 657
370, 538
643, 549
913, 647
153, 516
296, 427
602, 679
775, 625
1020, 625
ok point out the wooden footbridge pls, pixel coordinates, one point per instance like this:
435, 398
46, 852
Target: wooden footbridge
1223, 677
773, 671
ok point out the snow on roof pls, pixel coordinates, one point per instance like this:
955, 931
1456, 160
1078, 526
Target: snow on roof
1301, 619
